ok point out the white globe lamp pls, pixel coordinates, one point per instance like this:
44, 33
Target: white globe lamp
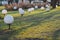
4, 12
32, 9
21, 11
47, 8
42, 8
36, 7
14, 7
56, 5
8, 19
29, 10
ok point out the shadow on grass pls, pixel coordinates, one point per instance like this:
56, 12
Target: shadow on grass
34, 19
56, 35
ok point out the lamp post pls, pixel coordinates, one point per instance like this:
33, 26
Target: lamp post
8, 19
4, 12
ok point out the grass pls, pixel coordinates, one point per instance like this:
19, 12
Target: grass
1, 7
37, 24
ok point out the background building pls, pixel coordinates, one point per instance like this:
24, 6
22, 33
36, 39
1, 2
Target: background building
25, 1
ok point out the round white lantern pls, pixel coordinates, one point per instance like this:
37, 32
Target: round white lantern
56, 5
4, 11
36, 7
47, 9
8, 19
42, 8
47, 5
21, 11
20, 8
29, 10
14, 7
32, 9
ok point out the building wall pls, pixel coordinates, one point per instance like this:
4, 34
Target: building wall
3, 2
49, 0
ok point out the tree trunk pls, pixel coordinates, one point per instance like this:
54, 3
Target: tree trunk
53, 3
10, 1
30, 1
58, 2
22, 0
16, 1
44, 0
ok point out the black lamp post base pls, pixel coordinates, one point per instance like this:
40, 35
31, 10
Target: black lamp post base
22, 15
9, 26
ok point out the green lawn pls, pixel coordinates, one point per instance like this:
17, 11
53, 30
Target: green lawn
37, 24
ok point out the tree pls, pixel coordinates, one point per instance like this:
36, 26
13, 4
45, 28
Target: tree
58, 2
44, 0
22, 0
53, 3
30, 1
16, 1
10, 1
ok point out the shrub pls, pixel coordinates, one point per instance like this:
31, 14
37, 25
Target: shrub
23, 5
8, 7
